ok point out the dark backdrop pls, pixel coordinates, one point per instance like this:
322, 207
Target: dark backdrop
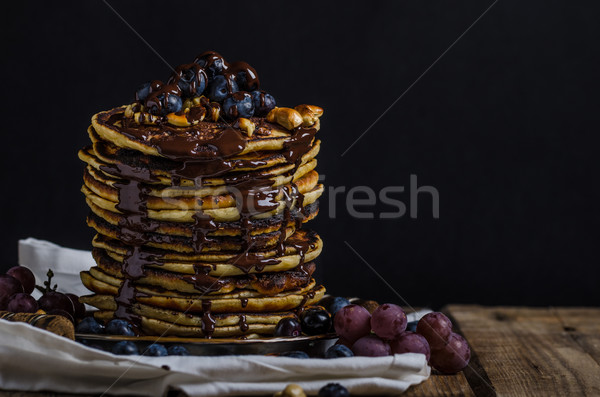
504, 126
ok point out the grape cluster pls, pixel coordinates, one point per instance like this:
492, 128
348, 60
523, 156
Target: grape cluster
384, 332
234, 86
17, 285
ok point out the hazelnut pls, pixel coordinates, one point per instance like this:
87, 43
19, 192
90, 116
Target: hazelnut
291, 390
286, 117
214, 111
187, 103
245, 125
129, 111
310, 114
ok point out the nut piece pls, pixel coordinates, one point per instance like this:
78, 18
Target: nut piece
286, 117
129, 111
178, 120
190, 102
291, 390
310, 114
214, 110
246, 125
145, 118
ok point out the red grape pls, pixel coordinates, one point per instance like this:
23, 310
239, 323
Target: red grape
453, 357
53, 300
22, 303
371, 346
436, 328
8, 287
78, 306
25, 276
388, 321
351, 322
409, 342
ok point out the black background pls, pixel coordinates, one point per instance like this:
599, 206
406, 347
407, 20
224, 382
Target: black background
504, 126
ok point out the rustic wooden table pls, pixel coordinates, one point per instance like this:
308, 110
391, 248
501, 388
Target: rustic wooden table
517, 351
521, 351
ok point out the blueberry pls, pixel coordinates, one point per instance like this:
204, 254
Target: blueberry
411, 326
238, 105
315, 321
220, 88
288, 326
178, 350
89, 325
142, 92
336, 351
333, 390
173, 104
125, 348
156, 350
191, 81
119, 327
212, 62
263, 103
337, 303
245, 76
294, 354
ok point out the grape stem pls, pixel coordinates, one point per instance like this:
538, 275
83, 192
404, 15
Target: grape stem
47, 284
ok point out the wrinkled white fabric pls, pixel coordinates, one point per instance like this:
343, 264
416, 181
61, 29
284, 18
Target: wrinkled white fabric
32, 359
66, 263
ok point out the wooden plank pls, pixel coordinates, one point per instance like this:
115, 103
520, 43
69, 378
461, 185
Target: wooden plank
528, 352
441, 386
583, 324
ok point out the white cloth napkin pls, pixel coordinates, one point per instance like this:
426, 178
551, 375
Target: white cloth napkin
32, 359
66, 263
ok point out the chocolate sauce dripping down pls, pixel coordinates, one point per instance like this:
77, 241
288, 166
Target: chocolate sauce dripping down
243, 324
301, 246
133, 226
256, 196
305, 298
208, 321
202, 281
244, 302
203, 224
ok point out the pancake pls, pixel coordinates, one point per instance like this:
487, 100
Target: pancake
108, 125
103, 154
279, 174
190, 198
153, 326
229, 214
258, 226
110, 271
194, 320
98, 187
302, 247
232, 303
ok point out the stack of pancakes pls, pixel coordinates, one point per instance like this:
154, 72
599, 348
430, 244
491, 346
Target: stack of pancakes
199, 227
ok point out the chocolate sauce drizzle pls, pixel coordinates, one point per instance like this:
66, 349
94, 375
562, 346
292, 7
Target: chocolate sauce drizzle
202, 153
208, 321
